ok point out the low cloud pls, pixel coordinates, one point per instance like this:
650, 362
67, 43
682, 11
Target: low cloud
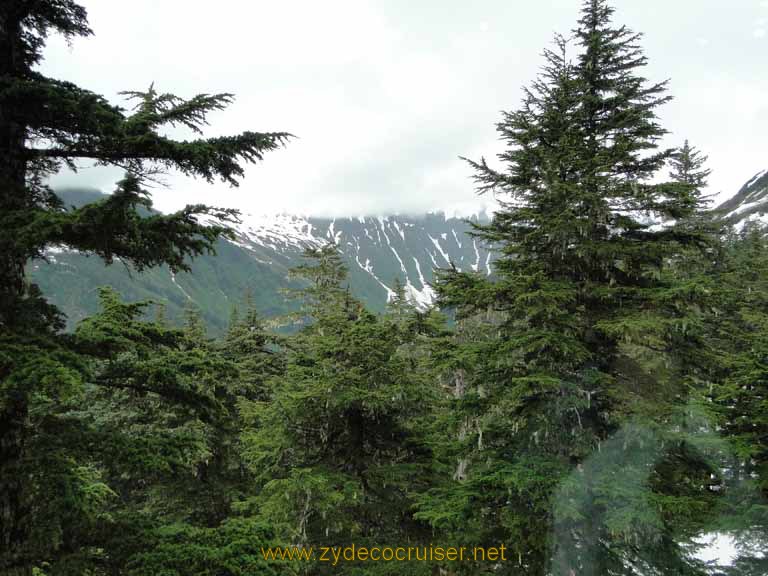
385, 95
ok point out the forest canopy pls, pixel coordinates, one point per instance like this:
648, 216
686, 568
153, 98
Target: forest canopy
597, 405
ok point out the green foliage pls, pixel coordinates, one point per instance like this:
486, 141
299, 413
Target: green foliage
55, 480
737, 337
688, 167
589, 328
139, 239
338, 446
256, 353
598, 405
232, 549
144, 464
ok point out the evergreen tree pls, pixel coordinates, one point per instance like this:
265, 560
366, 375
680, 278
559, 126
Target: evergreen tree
688, 167
338, 446
736, 333
46, 124
194, 327
398, 305
158, 429
257, 354
593, 332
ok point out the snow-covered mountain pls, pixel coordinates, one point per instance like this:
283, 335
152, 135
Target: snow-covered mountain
749, 204
377, 250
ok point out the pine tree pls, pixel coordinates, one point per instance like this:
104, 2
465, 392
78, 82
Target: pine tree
194, 326
45, 124
594, 332
398, 305
257, 353
338, 446
324, 276
737, 333
688, 167
158, 426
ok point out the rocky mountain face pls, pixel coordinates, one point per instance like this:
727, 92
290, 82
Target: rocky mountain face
750, 203
377, 251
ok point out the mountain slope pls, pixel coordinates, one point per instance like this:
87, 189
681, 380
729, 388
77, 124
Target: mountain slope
750, 203
377, 250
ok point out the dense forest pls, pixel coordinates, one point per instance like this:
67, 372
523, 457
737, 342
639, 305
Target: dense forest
596, 406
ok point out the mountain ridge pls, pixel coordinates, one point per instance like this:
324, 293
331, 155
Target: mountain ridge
749, 204
376, 249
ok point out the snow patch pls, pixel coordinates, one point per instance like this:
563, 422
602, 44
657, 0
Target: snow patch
718, 547
439, 248
432, 257
422, 299
402, 266
369, 269
456, 237
476, 265
754, 178
277, 231
418, 271
334, 234
399, 230
746, 207
173, 279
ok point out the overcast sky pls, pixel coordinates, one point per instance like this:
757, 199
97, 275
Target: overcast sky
385, 95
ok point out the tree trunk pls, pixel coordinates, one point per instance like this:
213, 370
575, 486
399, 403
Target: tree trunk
12, 164
14, 510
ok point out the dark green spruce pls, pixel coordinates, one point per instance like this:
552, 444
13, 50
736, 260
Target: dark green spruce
46, 123
587, 336
596, 405
340, 449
